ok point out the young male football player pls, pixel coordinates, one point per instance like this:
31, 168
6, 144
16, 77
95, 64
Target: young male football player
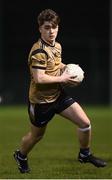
46, 97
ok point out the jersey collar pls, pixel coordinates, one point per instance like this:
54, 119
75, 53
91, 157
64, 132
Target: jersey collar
47, 43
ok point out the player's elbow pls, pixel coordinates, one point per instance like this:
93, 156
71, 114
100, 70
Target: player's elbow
39, 79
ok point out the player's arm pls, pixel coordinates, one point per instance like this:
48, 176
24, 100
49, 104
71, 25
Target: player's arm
38, 68
41, 77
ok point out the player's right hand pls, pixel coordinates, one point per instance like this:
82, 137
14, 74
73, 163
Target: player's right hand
66, 78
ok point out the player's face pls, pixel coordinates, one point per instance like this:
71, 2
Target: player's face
48, 32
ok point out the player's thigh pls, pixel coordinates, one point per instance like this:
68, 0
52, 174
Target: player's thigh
76, 114
37, 131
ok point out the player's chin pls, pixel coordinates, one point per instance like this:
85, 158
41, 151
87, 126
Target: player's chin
52, 38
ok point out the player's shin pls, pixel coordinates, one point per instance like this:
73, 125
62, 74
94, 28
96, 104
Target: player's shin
84, 135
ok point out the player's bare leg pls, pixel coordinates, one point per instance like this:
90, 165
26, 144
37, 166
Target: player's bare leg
76, 114
30, 139
28, 142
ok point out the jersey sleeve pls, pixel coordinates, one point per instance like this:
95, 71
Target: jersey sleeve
39, 59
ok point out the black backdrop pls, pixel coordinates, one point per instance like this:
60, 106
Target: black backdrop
83, 33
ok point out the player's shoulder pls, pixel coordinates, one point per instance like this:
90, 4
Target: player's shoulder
58, 45
38, 48
35, 46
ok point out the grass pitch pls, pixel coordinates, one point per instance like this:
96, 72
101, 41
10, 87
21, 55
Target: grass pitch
55, 157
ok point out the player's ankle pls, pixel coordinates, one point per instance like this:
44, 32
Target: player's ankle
23, 156
85, 151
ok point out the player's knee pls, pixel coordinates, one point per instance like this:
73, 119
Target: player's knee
33, 137
85, 127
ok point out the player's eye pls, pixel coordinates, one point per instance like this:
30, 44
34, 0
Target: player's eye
54, 26
47, 27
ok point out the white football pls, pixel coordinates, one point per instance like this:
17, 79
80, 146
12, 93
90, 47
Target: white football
75, 70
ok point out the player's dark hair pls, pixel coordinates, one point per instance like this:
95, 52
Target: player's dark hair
48, 15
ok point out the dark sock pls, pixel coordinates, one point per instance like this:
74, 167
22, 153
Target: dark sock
22, 155
85, 151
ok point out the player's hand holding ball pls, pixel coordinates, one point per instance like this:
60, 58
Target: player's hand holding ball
76, 74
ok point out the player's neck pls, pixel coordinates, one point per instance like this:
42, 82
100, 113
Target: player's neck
48, 43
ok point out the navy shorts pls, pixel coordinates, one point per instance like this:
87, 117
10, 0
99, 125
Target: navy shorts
41, 114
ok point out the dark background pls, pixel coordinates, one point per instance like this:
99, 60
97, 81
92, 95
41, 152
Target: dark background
83, 33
